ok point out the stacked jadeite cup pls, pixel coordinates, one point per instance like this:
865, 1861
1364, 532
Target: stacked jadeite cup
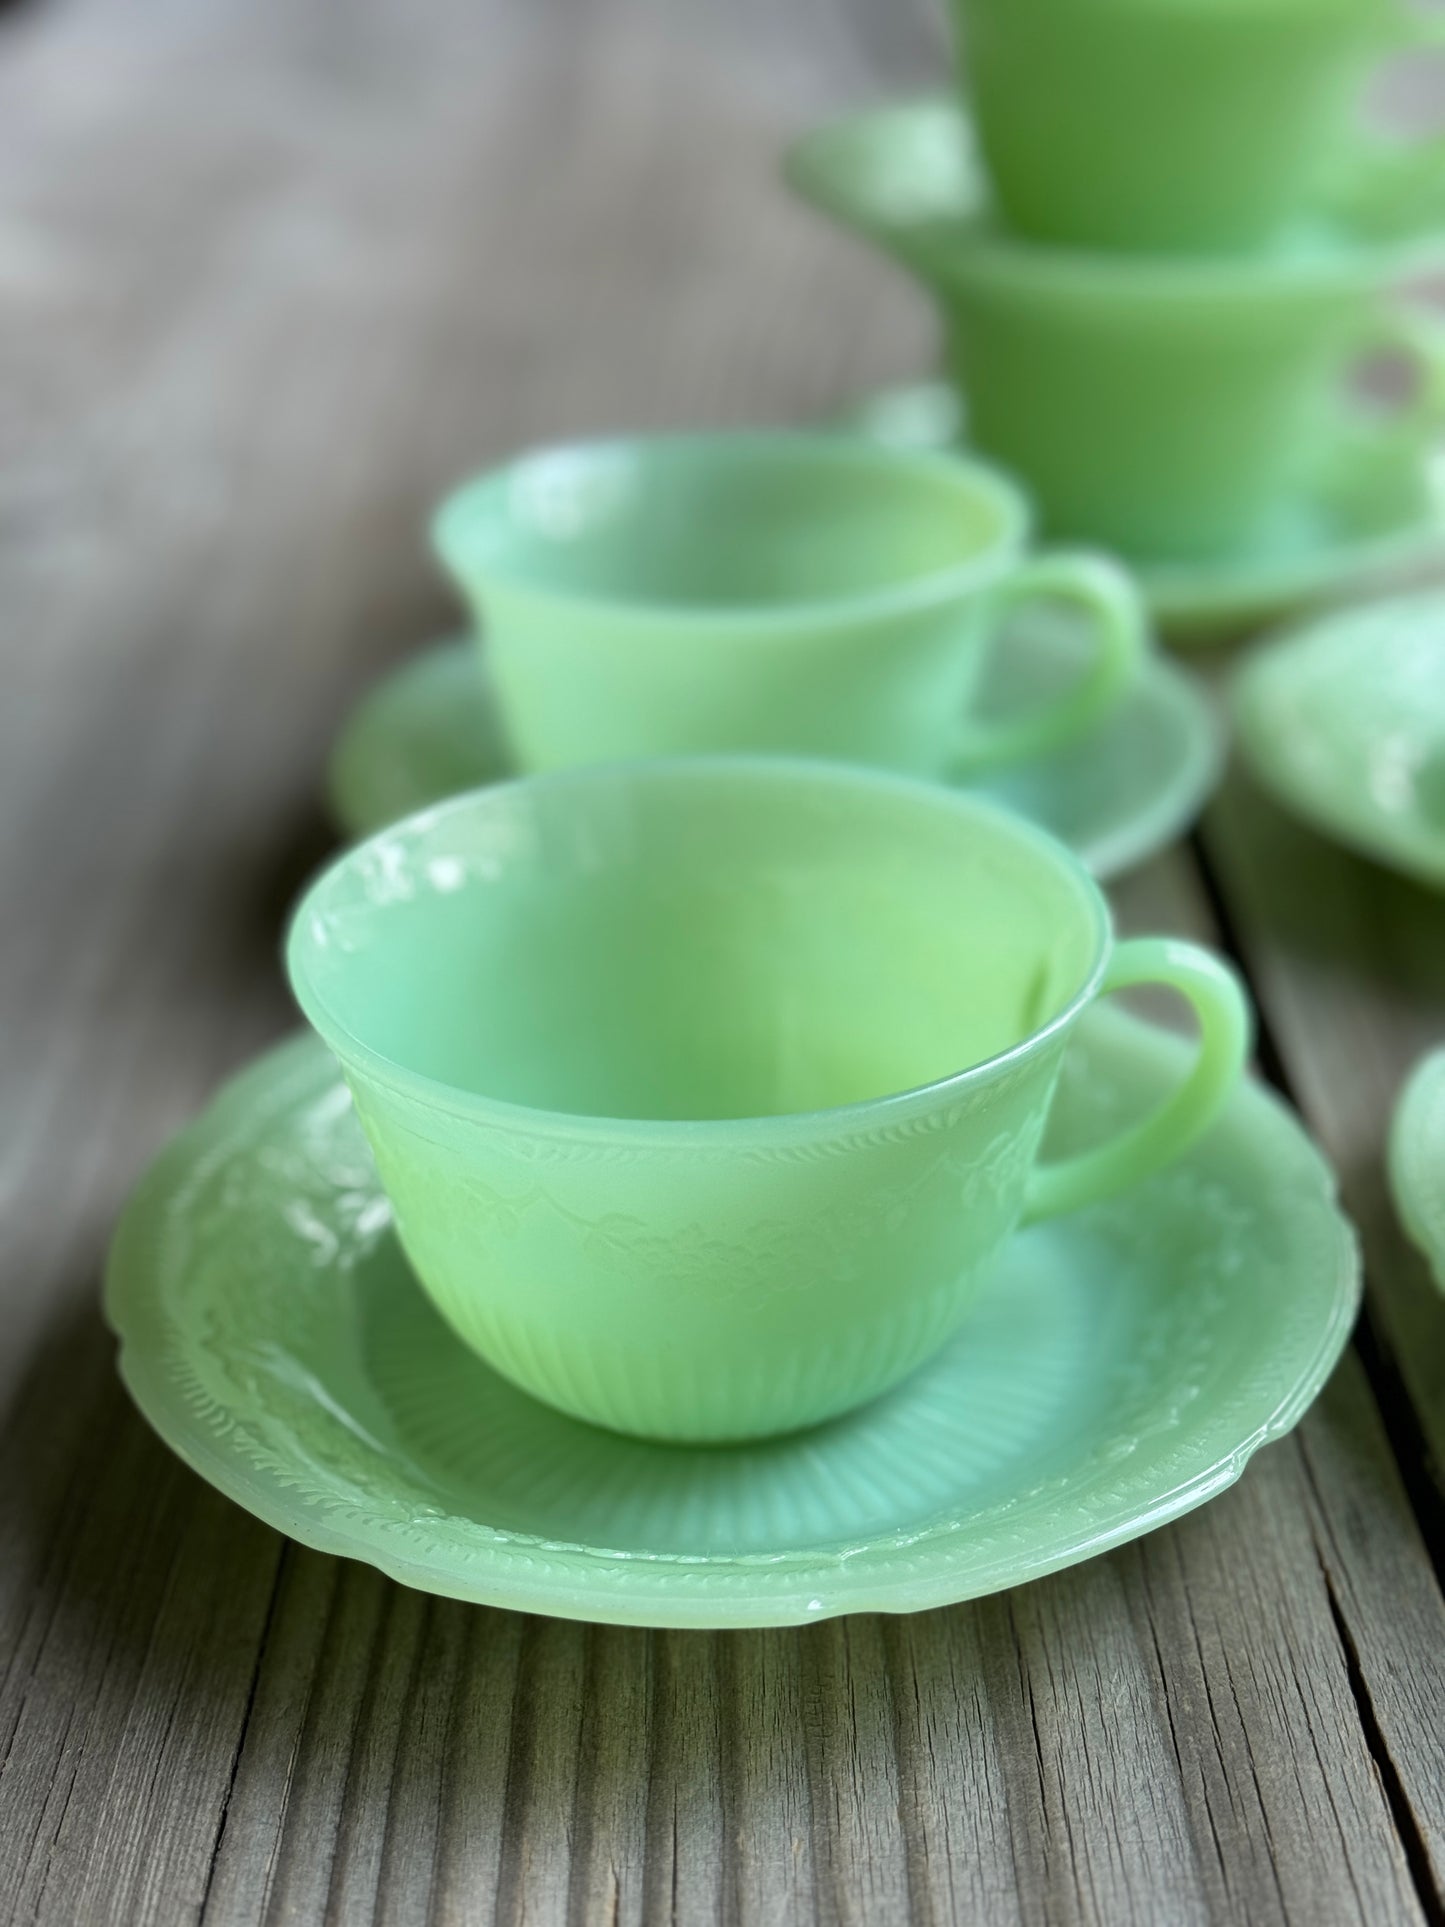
1164, 242
1172, 126
706, 1067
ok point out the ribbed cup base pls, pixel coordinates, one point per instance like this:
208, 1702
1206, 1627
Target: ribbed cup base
664, 1393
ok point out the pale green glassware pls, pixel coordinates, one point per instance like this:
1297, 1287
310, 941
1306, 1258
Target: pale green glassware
1343, 720
705, 1092
1118, 1368
1175, 126
1135, 783
1163, 408
767, 592
1371, 515
1416, 1160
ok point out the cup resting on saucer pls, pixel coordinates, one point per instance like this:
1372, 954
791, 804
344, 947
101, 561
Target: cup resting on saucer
775, 593
705, 1092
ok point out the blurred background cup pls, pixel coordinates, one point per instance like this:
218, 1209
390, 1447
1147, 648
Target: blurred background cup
1165, 413
773, 593
705, 1091
1174, 126
1161, 407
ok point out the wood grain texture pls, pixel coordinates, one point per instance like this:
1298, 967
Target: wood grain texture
1349, 965
273, 274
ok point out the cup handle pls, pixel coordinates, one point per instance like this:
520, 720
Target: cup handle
1212, 988
1417, 338
1121, 623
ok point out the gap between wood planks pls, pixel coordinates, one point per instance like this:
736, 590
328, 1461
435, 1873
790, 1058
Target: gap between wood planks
1393, 1404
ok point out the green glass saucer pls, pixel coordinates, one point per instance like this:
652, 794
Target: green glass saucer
1374, 515
1344, 721
431, 728
1416, 1160
907, 176
1120, 1368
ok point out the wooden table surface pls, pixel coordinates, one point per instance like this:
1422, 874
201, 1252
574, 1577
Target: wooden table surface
272, 274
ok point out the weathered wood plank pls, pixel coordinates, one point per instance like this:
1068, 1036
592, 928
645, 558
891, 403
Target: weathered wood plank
473, 1766
971, 1838
143, 1602
1349, 963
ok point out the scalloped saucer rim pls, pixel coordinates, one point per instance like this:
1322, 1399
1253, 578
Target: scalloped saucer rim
426, 714
271, 1335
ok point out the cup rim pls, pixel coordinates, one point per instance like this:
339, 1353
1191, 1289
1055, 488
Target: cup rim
862, 1116
966, 473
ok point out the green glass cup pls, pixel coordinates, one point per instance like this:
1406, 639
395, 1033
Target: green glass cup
765, 592
705, 1090
1167, 421
1174, 126
1161, 408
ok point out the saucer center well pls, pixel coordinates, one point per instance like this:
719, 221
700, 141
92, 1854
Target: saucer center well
1014, 1401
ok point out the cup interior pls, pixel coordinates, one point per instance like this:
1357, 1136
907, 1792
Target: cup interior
711, 941
724, 521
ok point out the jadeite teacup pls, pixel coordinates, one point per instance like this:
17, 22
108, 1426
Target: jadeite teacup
1162, 408
1164, 421
1174, 126
704, 1090
779, 593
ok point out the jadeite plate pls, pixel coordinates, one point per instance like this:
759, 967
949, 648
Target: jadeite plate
1375, 514
1417, 1160
1344, 721
431, 728
1121, 1368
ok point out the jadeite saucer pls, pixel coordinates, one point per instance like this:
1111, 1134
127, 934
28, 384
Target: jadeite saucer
431, 728
1375, 514
1416, 1160
1120, 1369
1344, 721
